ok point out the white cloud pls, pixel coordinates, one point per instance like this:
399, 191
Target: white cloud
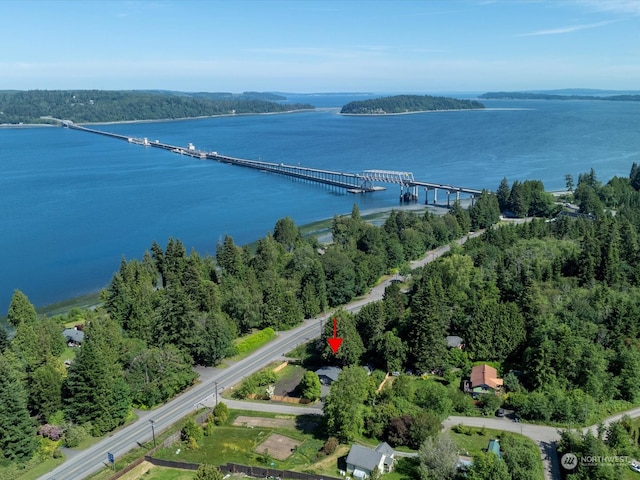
631, 7
567, 29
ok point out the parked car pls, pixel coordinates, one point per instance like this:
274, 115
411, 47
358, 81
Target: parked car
635, 466
500, 412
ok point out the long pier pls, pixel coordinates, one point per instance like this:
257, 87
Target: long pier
363, 182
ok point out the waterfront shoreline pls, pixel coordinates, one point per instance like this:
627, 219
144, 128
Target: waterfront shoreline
319, 228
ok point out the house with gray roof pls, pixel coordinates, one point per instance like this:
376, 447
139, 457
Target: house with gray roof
73, 336
453, 341
328, 375
362, 461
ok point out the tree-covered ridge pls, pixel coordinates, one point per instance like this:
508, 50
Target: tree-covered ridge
406, 104
548, 96
83, 106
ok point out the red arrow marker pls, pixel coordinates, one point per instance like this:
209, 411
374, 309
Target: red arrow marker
335, 342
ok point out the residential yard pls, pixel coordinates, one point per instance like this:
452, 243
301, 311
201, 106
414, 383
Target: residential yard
242, 441
288, 379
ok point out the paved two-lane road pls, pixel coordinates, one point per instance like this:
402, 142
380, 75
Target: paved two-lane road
84, 463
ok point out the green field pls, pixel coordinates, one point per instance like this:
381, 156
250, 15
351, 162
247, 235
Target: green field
238, 444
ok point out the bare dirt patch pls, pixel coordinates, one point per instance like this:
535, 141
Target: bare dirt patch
278, 446
252, 422
287, 385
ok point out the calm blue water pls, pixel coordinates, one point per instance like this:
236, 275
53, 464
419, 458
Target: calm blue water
72, 203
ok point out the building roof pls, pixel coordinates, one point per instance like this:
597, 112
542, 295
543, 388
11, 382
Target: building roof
485, 375
73, 335
494, 446
453, 341
364, 458
386, 449
330, 372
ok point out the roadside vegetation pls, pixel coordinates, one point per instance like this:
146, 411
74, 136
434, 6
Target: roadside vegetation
552, 303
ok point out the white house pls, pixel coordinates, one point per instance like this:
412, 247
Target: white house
361, 461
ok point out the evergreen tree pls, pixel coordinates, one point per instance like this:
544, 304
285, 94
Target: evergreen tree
351, 349
45, 388
214, 339
428, 326
230, 257
343, 406
17, 431
502, 194
94, 390
4, 339
286, 233
485, 212
21, 310
175, 321
158, 257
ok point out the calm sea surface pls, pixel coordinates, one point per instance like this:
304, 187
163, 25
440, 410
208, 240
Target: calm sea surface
72, 203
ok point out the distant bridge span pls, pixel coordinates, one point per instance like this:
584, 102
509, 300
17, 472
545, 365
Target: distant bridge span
363, 182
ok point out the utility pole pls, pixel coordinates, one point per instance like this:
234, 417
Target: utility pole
216, 383
153, 432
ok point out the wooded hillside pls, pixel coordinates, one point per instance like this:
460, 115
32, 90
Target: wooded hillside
82, 106
406, 104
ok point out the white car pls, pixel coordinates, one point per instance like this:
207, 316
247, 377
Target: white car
635, 466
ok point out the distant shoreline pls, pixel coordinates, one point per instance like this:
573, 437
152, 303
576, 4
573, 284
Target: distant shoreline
153, 120
412, 112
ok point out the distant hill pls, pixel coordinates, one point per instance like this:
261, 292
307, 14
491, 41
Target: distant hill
96, 106
586, 91
407, 104
568, 94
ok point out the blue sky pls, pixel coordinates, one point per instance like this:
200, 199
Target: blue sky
320, 46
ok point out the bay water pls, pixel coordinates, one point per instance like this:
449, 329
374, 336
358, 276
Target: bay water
72, 204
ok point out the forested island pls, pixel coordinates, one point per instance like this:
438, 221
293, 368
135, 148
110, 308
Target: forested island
553, 304
98, 106
549, 96
407, 104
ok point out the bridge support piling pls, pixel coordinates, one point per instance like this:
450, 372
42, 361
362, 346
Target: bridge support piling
448, 199
435, 196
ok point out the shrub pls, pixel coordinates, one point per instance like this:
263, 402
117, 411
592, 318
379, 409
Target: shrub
330, 446
255, 340
52, 432
192, 444
246, 388
191, 431
74, 434
220, 413
265, 377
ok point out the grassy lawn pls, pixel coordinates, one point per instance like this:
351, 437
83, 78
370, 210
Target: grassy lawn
475, 440
238, 444
307, 355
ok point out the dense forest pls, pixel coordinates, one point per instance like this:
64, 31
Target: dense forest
82, 106
406, 104
549, 96
552, 303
